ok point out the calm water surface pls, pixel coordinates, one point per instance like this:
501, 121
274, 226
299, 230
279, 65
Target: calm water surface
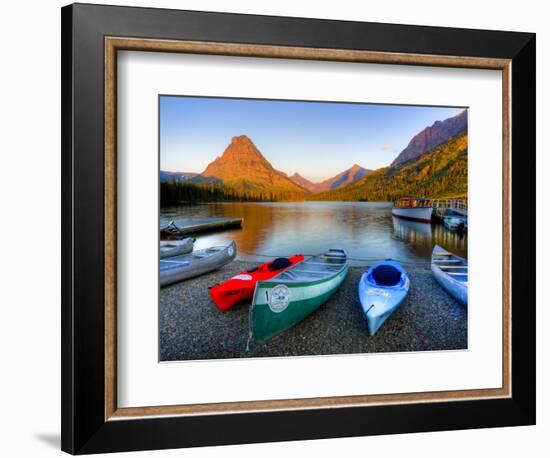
366, 230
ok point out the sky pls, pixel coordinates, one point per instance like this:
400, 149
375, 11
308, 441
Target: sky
316, 139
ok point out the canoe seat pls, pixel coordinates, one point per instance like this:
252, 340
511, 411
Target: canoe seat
386, 275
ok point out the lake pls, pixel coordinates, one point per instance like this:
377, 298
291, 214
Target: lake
366, 230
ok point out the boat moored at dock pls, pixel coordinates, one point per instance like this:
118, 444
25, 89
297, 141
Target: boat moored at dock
456, 223
416, 209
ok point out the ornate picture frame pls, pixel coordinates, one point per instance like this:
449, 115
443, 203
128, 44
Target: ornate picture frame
92, 35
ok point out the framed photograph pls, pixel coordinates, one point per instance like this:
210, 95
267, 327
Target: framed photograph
270, 222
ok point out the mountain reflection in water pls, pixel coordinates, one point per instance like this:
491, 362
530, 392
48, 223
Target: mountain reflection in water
366, 230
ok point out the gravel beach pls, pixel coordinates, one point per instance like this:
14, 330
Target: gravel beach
192, 328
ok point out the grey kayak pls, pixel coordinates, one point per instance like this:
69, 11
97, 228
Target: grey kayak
451, 272
182, 267
170, 248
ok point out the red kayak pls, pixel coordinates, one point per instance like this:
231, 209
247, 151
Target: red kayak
241, 286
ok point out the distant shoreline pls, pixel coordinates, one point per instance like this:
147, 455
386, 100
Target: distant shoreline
182, 204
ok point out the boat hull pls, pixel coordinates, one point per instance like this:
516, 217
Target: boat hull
418, 214
183, 267
241, 287
379, 302
169, 248
277, 306
454, 287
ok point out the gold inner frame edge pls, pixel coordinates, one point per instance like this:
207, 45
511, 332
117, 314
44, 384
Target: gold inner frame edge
114, 44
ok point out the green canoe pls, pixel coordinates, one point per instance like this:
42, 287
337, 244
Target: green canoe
290, 296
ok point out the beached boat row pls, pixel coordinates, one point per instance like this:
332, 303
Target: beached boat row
286, 290
179, 261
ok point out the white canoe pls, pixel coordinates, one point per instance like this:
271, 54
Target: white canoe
451, 272
170, 248
182, 267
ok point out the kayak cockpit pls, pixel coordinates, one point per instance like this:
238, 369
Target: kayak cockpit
386, 275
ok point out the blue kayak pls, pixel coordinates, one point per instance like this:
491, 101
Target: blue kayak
382, 289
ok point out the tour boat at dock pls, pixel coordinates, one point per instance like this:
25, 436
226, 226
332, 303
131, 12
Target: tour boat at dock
413, 208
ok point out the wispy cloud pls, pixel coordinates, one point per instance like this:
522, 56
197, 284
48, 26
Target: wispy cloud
389, 147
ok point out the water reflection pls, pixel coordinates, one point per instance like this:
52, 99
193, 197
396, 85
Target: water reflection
366, 230
420, 238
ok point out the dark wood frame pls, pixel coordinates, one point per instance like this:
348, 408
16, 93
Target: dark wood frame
91, 36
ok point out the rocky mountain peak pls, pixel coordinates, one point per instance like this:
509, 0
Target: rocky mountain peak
430, 137
243, 162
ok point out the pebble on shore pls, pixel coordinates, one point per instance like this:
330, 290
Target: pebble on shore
192, 328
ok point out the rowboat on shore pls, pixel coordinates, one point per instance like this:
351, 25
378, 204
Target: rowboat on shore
182, 267
169, 248
289, 297
241, 287
413, 209
451, 272
382, 289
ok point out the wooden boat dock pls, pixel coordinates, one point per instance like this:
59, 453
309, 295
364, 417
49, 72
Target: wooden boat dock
196, 225
449, 207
